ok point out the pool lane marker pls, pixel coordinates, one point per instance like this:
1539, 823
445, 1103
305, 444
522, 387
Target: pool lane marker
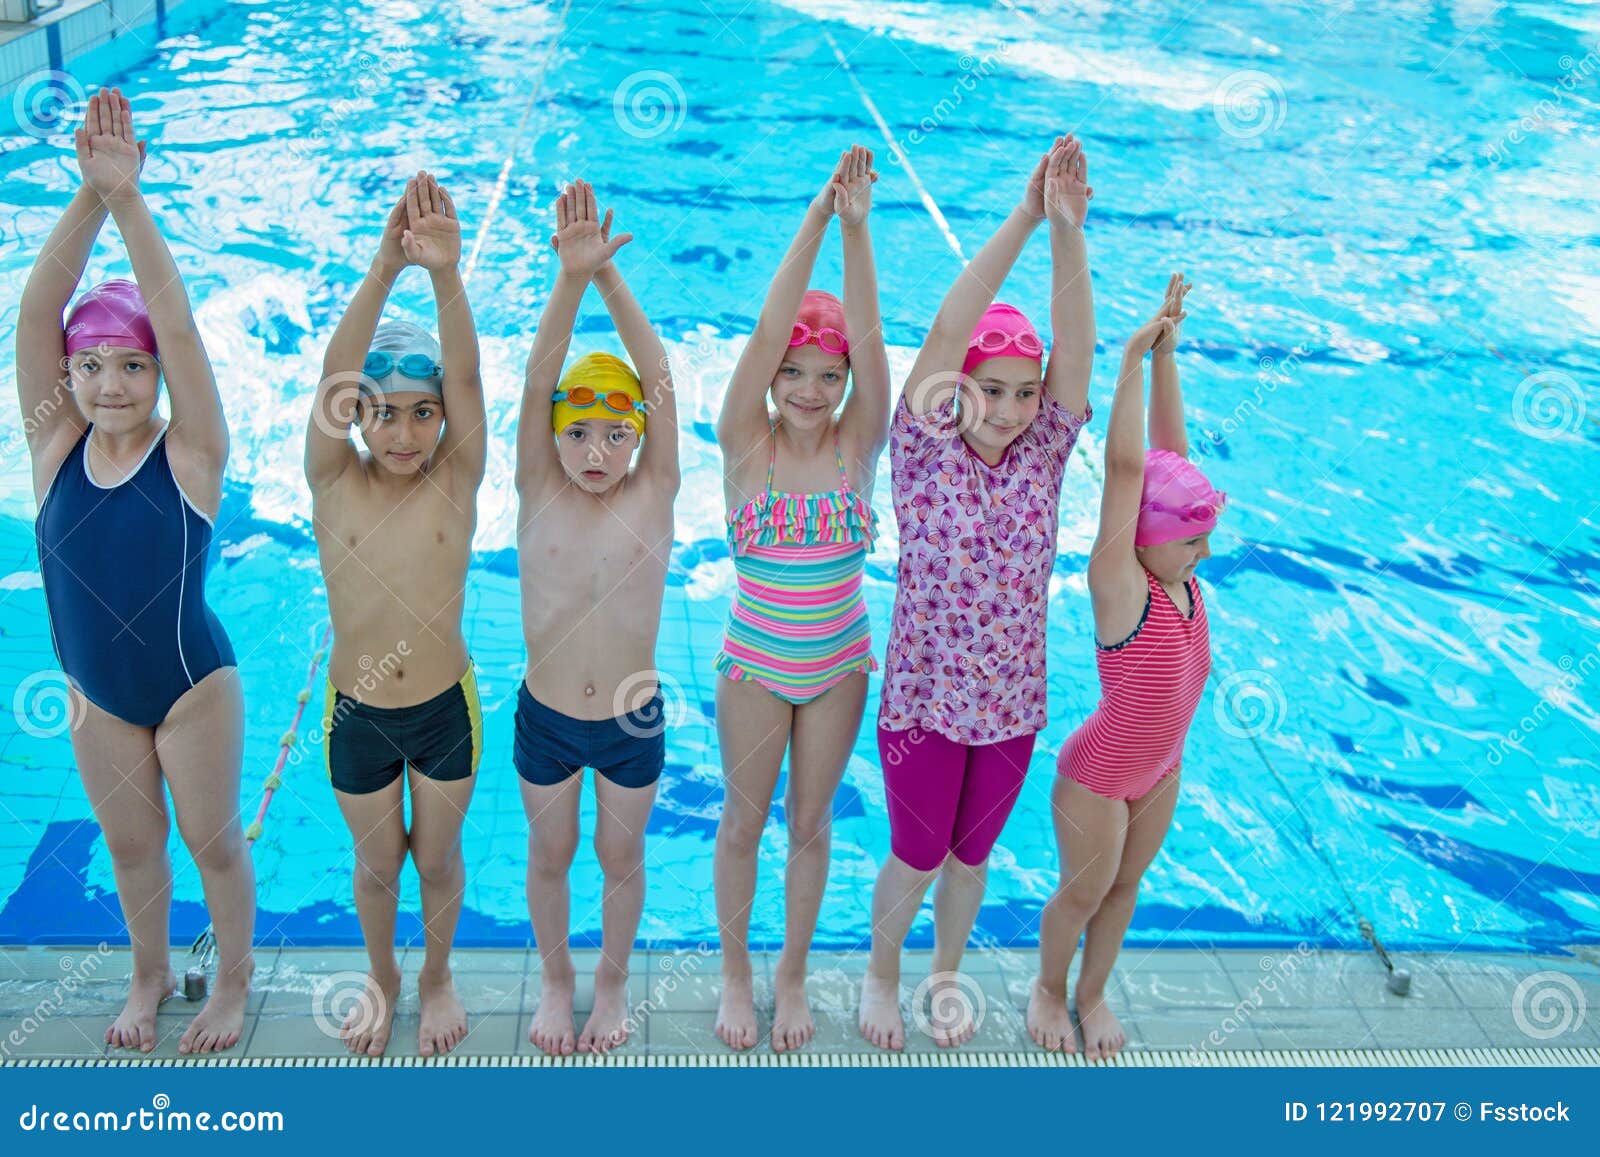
501, 181
205, 945
898, 153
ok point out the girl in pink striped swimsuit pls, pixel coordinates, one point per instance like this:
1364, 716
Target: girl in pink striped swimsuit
793, 668
1118, 778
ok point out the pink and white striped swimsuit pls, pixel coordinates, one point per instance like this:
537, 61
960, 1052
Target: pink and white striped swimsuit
1150, 686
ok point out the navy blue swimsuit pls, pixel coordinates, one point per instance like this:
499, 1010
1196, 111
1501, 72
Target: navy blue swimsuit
125, 581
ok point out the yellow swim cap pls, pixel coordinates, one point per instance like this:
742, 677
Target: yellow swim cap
590, 389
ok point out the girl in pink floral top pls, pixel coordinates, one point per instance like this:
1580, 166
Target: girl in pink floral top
979, 444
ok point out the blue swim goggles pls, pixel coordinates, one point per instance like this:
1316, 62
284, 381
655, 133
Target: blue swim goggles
418, 367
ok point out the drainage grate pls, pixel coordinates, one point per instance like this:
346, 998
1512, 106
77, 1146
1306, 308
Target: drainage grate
1577, 1057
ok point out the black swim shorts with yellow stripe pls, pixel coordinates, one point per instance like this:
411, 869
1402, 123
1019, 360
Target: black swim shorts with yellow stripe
367, 748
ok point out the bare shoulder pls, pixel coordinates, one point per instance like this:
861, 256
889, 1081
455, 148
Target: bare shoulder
198, 471
51, 454
1117, 594
746, 458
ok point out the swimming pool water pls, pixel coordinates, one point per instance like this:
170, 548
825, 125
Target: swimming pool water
1389, 221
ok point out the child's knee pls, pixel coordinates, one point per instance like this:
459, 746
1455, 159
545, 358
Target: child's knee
808, 826
439, 867
550, 854
740, 829
1081, 896
380, 866
215, 851
619, 856
137, 849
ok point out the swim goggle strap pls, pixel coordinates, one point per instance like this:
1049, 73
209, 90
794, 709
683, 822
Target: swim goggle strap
1194, 512
830, 339
418, 367
993, 342
582, 397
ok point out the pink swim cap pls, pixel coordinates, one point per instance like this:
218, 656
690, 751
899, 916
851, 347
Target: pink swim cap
1177, 502
1002, 332
111, 314
821, 320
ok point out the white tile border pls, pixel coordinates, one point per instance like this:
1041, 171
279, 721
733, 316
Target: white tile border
62, 35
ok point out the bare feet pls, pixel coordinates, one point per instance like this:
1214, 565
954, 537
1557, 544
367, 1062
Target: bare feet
553, 1028
736, 1010
607, 1027
879, 1018
366, 1029
1102, 1031
221, 1021
135, 1026
444, 1018
1049, 1022
952, 1017
792, 1026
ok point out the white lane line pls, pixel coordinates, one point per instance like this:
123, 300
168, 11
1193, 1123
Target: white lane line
905, 162
511, 157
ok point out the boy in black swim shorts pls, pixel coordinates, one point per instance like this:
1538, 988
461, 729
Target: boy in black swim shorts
394, 527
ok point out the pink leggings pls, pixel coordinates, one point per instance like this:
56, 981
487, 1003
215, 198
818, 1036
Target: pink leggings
947, 797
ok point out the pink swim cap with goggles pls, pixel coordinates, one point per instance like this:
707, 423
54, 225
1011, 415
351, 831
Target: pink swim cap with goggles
111, 314
820, 320
1177, 501
1002, 332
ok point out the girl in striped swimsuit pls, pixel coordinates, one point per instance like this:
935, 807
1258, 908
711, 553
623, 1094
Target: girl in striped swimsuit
799, 645
1118, 778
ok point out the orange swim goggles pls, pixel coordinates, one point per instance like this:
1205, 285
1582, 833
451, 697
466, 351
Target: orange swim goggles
582, 397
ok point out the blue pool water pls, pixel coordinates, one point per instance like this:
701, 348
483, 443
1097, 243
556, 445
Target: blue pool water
1390, 364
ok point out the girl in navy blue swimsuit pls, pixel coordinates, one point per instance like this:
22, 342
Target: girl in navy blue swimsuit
126, 504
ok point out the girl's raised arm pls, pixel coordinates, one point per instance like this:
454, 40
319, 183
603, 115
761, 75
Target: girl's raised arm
110, 157
47, 407
973, 292
865, 418
1167, 428
1066, 200
743, 421
1113, 556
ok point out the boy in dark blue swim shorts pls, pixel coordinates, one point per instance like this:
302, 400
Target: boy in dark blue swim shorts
594, 537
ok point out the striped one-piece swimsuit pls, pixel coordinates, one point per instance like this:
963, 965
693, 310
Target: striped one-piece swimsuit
799, 623
1150, 686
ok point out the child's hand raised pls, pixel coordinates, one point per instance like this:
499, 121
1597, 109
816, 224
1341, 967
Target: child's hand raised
1066, 187
432, 234
1146, 337
1033, 195
391, 246
1172, 307
109, 154
582, 239
852, 185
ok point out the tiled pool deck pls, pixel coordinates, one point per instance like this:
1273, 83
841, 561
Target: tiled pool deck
1240, 1006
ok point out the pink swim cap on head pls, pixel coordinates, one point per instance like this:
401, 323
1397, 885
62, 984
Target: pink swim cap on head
111, 314
820, 310
1002, 332
1178, 501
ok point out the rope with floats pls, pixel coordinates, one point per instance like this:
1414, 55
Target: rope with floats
205, 945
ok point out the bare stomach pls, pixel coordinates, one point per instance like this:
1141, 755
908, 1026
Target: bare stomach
590, 678
386, 672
